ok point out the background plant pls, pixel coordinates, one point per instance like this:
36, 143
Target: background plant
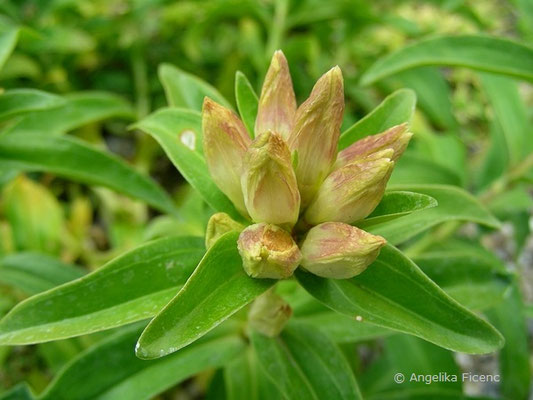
76, 193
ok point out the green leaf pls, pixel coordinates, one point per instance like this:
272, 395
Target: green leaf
484, 53
496, 157
396, 109
454, 204
186, 90
109, 370
433, 94
470, 274
304, 364
80, 109
413, 169
17, 102
244, 379
408, 355
18, 392
35, 216
515, 367
397, 204
33, 273
216, 290
129, 288
426, 394
510, 114
74, 159
247, 101
395, 294
174, 129
342, 328
8, 39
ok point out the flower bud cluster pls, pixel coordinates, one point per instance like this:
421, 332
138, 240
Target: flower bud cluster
291, 175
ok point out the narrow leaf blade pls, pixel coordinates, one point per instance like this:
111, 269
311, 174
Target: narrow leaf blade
74, 159
454, 204
482, 53
397, 204
247, 101
304, 364
216, 290
394, 293
109, 370
129, 288
186, 90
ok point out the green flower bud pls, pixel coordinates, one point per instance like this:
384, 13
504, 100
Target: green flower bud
219, 224
225, 142
277, 104
268, 251
268, 182
339, 251
350, 193
269, 314
316, 133
396, 138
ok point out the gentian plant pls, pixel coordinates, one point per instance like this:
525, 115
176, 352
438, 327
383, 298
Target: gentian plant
296, 249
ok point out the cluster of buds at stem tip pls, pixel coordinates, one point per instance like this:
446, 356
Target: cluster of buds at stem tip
290, 175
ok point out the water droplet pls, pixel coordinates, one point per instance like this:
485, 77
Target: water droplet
188, 138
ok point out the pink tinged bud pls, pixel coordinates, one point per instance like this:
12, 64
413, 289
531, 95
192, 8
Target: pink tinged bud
350, 193
269, 314
339, 251
225, 142
268, 251
218, 225
396, 138
316, 133
277, 104
268, 182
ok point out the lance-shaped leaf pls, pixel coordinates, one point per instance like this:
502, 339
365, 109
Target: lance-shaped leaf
454, 204
268, 182
353, 191
483, 53
109, 370
304, 364
277, 104
179, 132
129, 288
515, 366
407, 355
8, 39
18, 102
74, 159
394, 293
247, 101
79, 109
243, 378
470, 274
33, 273
316, 133
183, 89
211, 295
397, 204
396, 109
225, 142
